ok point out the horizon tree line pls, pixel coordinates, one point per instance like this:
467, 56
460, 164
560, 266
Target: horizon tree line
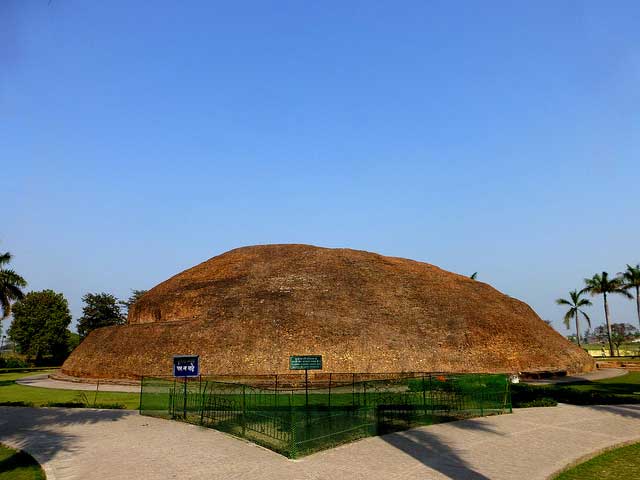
41, 319
602, 284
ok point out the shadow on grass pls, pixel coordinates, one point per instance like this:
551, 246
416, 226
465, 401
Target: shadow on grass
19, 463
435, 453
43, 433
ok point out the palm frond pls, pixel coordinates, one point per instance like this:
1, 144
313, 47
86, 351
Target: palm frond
584, 302
14, 292
624, 293
5, 304
563, 301
631, 276
5, 258
567, 318
10, 277
586, 317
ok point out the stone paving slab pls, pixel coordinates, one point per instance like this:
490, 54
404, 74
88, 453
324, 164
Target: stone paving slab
116, 445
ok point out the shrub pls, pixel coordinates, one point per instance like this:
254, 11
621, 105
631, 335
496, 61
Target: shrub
13, 362
16, 404
69, 404
111, 406
538, 402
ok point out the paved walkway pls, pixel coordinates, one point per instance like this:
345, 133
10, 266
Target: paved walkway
113, 445
43, 381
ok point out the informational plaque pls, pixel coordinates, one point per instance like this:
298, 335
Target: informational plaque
305, 362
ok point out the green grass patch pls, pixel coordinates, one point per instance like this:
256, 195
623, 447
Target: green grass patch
612, 391
13, 394
619, 464
17, 465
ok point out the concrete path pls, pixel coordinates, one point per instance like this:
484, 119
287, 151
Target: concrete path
599, 374
43, 381
113, 445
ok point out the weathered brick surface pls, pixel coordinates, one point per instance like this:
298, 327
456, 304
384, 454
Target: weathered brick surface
247, 310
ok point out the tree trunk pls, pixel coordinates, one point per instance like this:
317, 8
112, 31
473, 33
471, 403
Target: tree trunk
606, 317
638, 302
577, 327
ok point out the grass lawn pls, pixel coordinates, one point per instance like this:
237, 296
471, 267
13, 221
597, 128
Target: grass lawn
619, 464
12, 393
628, 384
624, 389
17, 465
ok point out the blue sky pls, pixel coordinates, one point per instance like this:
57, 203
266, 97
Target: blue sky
138, 139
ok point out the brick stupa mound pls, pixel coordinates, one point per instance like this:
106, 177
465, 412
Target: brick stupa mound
246, 311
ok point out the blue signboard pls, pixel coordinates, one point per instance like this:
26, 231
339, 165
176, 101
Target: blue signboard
186, 365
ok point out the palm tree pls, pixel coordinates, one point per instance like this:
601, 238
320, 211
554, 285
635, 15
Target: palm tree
601, 284
10, 286
631, 279
575, 303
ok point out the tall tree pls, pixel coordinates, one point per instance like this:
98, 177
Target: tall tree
601, 284
631, 279
575, 304
620, 333
39, 327
100, 310
11, 285
133, 298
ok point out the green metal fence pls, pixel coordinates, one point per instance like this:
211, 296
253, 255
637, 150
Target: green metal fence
292, 417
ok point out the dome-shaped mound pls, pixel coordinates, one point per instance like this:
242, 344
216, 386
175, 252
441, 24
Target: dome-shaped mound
246, 311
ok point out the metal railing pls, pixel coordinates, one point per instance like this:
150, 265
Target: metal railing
284, 414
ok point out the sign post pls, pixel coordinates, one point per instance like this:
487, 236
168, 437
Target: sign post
306, 363
185, 366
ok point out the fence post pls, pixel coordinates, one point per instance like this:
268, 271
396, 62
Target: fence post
141, 388
276, 392
353, 390
330, 391
244, 409
364, 390
306, 388
202, 400
292, 439
184, 410
95, 397
424, 397
508, 396
431, 392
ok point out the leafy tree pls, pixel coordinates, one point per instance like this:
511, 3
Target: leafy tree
620, 333
631, 279
133, 298
601, 284
39, 327
575, 304
11, 285
74, 340
100, 310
